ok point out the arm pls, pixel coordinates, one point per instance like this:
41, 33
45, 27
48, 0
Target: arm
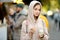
43, 31
46, 35
19, 21
10, 20
24, 35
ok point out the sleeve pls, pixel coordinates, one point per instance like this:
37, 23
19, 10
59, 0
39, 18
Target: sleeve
46, 34
11, 20
24, 35
19, 21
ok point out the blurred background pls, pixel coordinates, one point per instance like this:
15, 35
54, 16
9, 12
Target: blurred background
50, 12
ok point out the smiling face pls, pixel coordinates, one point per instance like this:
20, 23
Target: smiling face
36, 10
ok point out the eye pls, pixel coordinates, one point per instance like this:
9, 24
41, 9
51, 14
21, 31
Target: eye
39, 9
35, 9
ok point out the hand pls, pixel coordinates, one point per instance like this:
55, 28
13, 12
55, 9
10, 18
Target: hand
41, 36
8, 22
31, 32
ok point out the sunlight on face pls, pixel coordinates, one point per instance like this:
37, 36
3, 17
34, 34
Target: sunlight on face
36, 10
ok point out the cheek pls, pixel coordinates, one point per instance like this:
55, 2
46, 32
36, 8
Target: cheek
34, 12
37, 14
18, 8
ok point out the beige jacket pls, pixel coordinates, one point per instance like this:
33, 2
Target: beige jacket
30, 23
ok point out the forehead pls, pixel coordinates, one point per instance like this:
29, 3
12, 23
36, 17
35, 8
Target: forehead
37, 6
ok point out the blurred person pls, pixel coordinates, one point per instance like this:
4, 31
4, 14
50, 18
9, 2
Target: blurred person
3, 12
4, 16
57, 19
16, 19
33, 28
10, 26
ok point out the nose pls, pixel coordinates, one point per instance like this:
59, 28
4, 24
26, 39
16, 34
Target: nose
38, 11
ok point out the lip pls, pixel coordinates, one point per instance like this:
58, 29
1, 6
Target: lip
37, 14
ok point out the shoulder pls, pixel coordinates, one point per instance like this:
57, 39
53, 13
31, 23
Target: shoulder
22, 15
41, 21
45, 20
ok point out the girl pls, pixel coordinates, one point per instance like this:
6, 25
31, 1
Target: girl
34, 28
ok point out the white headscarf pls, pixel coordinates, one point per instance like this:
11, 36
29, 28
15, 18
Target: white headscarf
30, 11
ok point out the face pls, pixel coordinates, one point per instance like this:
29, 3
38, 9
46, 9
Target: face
18, 9
36, 10
11, 11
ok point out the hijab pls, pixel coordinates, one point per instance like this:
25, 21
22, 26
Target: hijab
30, 11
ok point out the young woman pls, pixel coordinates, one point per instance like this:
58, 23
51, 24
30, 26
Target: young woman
34, 28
